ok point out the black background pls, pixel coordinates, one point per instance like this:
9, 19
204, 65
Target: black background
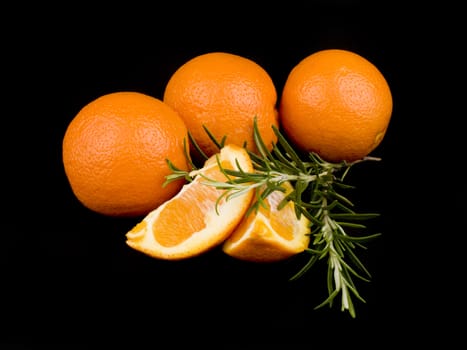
67, 274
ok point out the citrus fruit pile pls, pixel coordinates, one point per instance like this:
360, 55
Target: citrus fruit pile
215, 135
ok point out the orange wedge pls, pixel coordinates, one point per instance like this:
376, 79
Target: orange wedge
270, 234
194, 221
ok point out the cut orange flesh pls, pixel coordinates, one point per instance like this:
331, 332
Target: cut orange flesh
194, 221
270, 234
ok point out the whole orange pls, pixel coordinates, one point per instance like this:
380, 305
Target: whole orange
224, 92
115, 150
336, 103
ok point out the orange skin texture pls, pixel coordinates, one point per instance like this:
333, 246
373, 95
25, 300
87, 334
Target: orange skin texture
114, 153
224, 92
336, 103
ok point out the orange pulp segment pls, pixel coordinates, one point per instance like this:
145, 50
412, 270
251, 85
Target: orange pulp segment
194, 221
270, 234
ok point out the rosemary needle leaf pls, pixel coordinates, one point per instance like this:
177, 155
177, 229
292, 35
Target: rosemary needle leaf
313, 259
219, 144
289, 150
350, 225
343, 185
344, 209
176, 174
329, 299
196, 146
314, 220
286, 165
356, 261
354, 216
357, 238
221, 168
262, 149
256, 158
186, 152
340, 198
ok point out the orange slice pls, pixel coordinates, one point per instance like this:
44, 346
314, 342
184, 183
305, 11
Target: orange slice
270, 234
194, 221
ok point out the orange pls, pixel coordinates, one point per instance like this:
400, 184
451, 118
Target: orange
115, 149
337, 104
195, 220
270, 234
224, 92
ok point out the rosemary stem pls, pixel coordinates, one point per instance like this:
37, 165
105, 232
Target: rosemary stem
278, 177
328, 230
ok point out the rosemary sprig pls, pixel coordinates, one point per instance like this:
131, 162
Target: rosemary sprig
315, 194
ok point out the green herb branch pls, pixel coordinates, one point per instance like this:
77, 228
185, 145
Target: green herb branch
315, 194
